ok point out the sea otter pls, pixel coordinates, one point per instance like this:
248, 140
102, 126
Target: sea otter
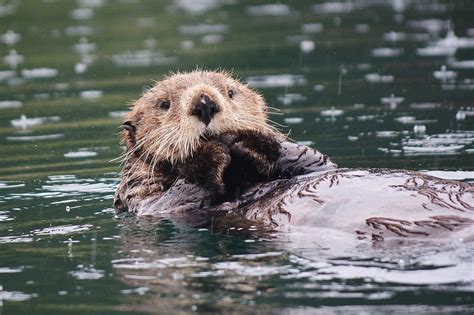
199, 146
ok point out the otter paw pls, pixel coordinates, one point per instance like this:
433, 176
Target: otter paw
260, 149
207, 166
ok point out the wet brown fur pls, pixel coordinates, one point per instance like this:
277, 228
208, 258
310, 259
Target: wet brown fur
163, 145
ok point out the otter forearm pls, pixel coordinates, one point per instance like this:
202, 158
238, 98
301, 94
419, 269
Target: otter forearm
181, 196
295, 159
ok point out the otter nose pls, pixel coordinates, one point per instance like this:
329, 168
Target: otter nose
204, 109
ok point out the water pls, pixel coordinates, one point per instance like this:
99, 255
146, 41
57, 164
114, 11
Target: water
370, 83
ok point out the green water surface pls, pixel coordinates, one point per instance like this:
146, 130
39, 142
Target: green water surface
371, 83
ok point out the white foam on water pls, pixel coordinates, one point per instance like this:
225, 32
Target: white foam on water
62, 229
312, 28
198, 6
15, 296
394, 37
378, 78
278, 80
212, 39
435, 51
332, 112
91, 3
36, 138
424, 106
84, 47
7, 74
80, 154
91, 95
433, 26
387, 134
82, 14
202, 29
24, 122
462, 64
361, 28
79, 30
293, 120
10, 38
39, 73
11, 184
273, 9
307, 46
258, 256
10, 104
118, 114
13, 59
10, 270
87, 273
75, 188
15, 239
411, 120
333, 7
290, 98
141, 58
384, 52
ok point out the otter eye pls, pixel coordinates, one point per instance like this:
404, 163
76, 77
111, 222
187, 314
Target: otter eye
230, 93
165, 105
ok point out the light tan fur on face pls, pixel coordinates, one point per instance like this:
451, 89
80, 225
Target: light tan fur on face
175, 134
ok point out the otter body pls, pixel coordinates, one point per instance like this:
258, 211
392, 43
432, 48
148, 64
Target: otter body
198, 147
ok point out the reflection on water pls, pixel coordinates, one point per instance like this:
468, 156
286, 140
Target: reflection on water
372, 83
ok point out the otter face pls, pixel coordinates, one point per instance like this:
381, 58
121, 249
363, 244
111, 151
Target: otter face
172, 119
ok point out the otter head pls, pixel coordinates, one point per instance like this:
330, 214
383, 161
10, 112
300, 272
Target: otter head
174, 117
